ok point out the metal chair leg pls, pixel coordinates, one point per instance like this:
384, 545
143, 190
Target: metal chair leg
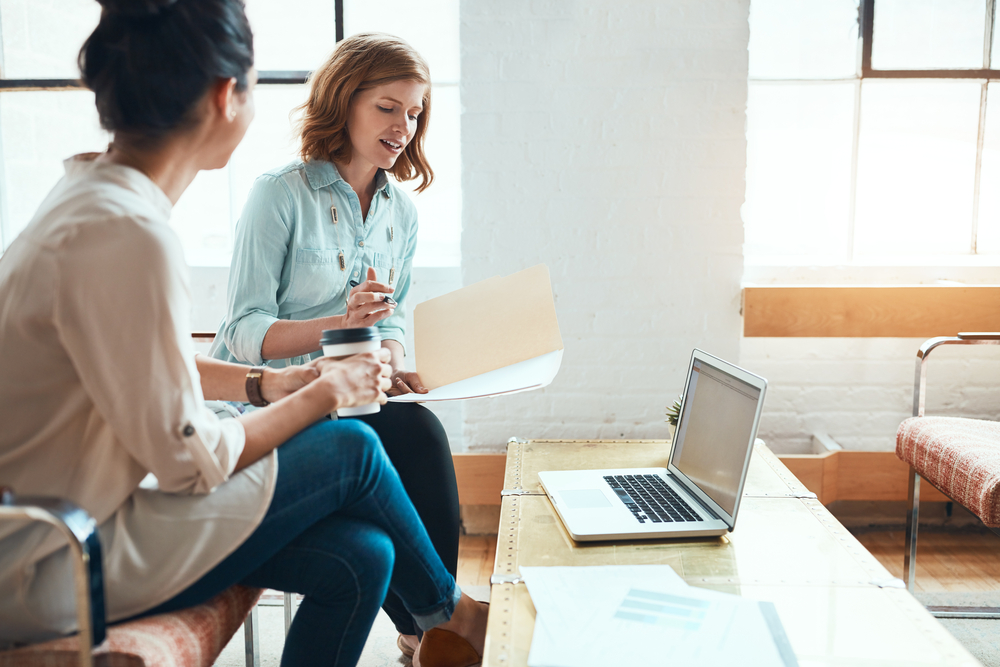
251, 639
910, 560
912, 521
288, 612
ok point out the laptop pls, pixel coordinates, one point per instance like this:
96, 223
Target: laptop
698, 493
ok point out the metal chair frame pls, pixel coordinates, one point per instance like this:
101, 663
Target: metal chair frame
913, 508
80, 531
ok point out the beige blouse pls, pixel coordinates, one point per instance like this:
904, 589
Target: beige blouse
98, 388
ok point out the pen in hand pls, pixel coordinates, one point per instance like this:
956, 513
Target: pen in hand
388, 300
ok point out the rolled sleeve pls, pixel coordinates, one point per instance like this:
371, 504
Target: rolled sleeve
262, 237
215, 446
245, 337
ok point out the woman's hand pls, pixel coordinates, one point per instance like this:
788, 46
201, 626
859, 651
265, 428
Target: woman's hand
406, 382
357, 380
277, 383
366, 303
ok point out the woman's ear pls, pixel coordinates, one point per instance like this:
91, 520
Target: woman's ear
224, 98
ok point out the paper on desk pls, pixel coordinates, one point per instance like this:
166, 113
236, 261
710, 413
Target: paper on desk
645, 615
486, 326
523, 376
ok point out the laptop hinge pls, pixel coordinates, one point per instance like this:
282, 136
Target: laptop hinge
506, 579
705, 507
519, 492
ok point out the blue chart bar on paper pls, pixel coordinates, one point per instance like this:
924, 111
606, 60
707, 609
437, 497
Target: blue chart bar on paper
674, 611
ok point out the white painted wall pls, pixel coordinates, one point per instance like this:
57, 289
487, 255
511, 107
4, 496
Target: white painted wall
607, 139
858, 390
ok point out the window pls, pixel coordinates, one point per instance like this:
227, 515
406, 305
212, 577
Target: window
873, 133
47, 116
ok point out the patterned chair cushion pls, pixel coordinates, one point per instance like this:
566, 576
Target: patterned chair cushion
961, 457
188, 638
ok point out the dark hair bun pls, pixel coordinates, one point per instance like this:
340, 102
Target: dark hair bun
135, 7
149, 62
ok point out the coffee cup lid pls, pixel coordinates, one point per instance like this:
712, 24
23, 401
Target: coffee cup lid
342, 336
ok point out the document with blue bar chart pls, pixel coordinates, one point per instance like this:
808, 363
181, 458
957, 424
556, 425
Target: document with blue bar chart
646, 615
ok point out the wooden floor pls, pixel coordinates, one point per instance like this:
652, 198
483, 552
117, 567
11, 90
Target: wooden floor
476, 554
945, 561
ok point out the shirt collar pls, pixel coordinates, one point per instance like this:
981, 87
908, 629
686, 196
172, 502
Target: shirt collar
321, 173
129, 177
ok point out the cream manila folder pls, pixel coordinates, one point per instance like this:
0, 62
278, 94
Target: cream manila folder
497, 336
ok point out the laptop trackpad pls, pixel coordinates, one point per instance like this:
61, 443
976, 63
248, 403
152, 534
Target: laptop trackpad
579, 499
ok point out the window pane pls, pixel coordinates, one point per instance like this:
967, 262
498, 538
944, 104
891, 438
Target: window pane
916, 165
989, 183
791, 39
292, 35
798, 170
440, 206
206, 215
928, 34
270, 141
201, 218
430, 26
39, 131
42, 39
995, 53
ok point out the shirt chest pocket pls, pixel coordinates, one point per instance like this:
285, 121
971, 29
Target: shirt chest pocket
314, 278
384, 263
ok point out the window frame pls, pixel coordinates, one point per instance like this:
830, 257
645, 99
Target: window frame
265, 77
864, 70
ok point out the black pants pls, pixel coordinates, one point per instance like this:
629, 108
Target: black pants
418, 447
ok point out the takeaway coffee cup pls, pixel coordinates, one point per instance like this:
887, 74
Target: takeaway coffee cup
340, 343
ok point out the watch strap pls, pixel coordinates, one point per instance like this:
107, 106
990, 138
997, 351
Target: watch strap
254, 394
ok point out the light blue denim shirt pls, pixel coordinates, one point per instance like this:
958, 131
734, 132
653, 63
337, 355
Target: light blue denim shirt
286, 260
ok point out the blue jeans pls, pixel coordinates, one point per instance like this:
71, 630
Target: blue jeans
341, 531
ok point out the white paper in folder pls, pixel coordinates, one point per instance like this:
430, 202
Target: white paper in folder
497, 336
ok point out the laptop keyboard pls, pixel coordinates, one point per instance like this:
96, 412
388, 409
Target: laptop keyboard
649, 498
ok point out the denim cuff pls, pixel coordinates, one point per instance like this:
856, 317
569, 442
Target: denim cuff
427, 621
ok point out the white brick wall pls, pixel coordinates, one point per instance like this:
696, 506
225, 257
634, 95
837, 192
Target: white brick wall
859, 390
607, 139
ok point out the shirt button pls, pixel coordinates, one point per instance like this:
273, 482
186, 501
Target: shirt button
355, 274
361, 243
188, 431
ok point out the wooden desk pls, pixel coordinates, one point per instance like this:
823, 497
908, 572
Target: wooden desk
838, 604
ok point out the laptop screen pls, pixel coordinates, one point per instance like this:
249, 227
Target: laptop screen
714, 431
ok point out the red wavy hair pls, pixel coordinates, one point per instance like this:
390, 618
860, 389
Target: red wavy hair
358, 63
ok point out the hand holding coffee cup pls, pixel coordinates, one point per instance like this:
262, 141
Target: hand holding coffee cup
368, 302
356, 380
340, 344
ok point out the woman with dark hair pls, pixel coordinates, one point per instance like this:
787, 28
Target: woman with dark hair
102, 388
323, 241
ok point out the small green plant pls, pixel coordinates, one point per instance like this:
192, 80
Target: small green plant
674, 411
